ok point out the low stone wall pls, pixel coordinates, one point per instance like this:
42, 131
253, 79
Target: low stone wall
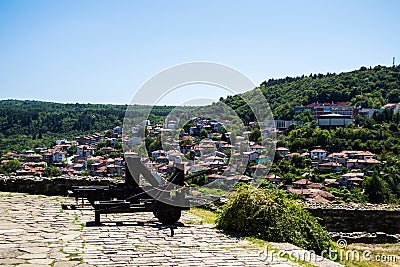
48, 186
358, 218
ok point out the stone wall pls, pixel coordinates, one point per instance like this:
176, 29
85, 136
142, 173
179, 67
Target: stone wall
48, 186
358, 218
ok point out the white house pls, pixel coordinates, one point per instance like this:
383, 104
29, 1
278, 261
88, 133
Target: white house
84, 151
318, 154
117, 130
257, 148
158, 153
59, 156
113, 141
250, 155
175, 156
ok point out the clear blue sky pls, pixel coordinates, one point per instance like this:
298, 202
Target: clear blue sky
102, 51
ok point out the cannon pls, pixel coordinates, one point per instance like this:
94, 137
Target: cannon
166, 199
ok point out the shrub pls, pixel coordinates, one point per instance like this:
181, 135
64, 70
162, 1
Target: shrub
273, 216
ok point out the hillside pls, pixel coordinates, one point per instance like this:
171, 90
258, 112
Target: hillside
25, 124
28, 124
366, 87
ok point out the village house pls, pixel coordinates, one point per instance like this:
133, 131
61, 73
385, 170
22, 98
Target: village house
194, 131
78, 167
351, 179
306, 193
321, 109
48, 157
337, 157
318, 195
206, 148
112, 141
318, 154
158, 153
26, 171
225, 147
162, 159
113, 169
90, 140
395, 107
257, 148
84, 151
250, 155
58, 156
330, 167
119, 161
258, 170
33, 158
301, 184
291, 155
274, 179
108, 150
117, 130
100, 172
361, 164
174, 156
214, 177
282, 151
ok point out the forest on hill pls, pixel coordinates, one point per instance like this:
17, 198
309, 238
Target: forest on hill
26, 124
367, 87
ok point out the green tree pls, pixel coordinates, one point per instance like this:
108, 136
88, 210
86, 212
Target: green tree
71, 150
10, 167
321, 137
51, 171
378, 190
304, 116
255, 134
394, 96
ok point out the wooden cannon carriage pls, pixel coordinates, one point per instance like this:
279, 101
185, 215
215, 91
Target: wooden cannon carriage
166, 199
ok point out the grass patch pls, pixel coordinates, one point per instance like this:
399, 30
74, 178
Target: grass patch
75, 257
257, 242
193, 222
206, 216
72, 256
211, 191
20, 263
76, 219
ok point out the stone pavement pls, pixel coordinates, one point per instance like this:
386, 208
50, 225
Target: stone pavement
35, 231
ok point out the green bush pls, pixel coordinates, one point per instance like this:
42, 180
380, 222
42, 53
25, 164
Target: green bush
273, 216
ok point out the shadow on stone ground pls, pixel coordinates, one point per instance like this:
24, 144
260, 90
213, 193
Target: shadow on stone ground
35, 231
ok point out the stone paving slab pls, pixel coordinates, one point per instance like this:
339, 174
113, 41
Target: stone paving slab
35, 231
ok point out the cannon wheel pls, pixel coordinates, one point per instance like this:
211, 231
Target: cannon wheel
167, 214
